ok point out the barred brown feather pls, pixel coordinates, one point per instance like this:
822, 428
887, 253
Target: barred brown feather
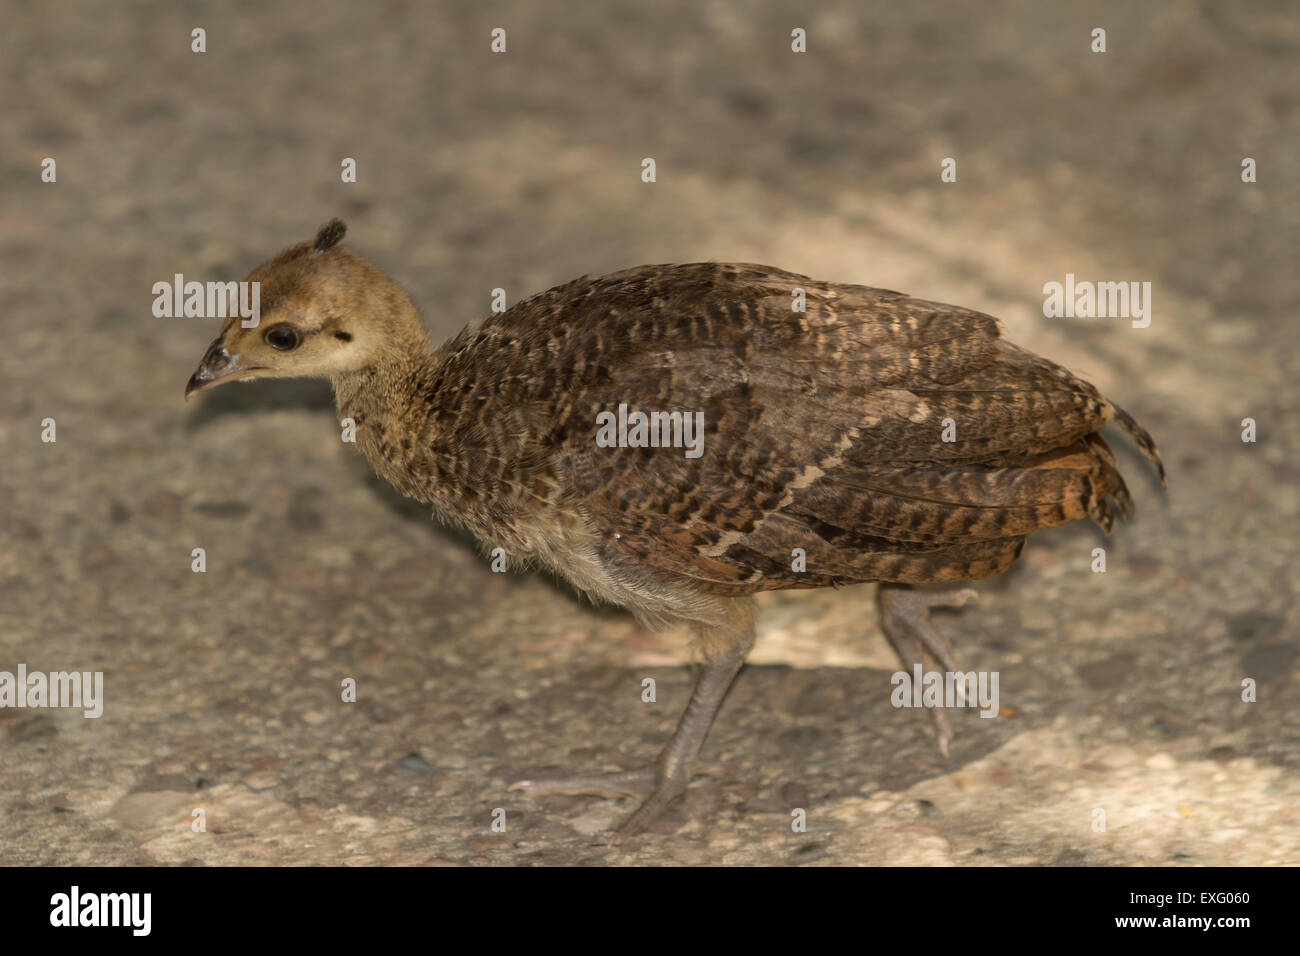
823, 432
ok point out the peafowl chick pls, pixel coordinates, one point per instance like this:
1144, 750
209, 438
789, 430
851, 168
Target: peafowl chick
674, 439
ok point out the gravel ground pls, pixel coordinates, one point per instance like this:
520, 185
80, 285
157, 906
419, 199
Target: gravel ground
1121, 692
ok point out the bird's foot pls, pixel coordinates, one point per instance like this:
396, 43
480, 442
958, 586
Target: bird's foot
664, 789
905, 619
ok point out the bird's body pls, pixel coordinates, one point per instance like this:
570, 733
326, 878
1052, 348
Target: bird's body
823, 432
849, 434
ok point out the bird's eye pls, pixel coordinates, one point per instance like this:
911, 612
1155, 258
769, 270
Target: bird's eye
282, 337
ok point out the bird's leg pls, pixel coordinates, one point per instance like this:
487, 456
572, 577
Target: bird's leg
725, 648
905, 619
673, 768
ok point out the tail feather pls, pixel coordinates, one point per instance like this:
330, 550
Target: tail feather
1141, 438
1108, 494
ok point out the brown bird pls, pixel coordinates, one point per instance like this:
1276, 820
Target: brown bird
808, 434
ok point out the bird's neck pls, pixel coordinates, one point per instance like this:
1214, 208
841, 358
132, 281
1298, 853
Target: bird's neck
379, 409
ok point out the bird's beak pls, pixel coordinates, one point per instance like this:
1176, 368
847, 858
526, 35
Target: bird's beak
217, 366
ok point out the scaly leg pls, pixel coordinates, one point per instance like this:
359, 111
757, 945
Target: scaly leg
905, 619
725, 648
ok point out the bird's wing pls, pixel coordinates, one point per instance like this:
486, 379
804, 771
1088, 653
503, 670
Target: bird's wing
868, 436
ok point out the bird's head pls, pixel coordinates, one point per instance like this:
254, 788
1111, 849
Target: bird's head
325, 312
